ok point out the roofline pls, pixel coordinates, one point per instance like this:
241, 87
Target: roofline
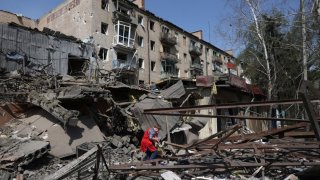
17, 15
150, 14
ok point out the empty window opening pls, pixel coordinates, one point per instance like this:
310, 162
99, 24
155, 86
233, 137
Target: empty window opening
184, 40
152, 46
141, 82
141, 63
103, 53
166, 49
121, 56
105, 4
140, 20
185, 57
104, 28
153, 65
77, 66
152, 25
140, 41
165, 29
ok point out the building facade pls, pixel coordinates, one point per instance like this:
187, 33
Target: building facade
130, 40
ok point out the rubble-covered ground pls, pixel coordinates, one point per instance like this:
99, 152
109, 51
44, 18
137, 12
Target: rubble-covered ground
67, 128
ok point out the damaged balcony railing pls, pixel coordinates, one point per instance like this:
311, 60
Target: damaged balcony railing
168, 38
169, 57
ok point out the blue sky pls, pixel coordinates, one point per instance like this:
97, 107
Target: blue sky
189, 15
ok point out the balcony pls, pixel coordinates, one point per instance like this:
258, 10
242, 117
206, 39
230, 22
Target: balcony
121, 16
168, 75
217, 59
124, 65
168, 38
169, 57
196, 66
124, 43
195, 50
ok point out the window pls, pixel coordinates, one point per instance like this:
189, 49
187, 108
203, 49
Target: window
140, 41
184, 40
165, 29
105, 4
125, 34
153, 65
166, 49
214, 53
104, 28
207, 52
103, 53
152, 46
121, 56
177, 36
123, 10
185, 57
140, 20
141, 63
141, 82
152, 25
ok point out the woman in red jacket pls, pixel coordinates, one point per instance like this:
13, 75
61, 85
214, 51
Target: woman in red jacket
148, 141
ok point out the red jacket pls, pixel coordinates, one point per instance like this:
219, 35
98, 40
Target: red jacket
146, 143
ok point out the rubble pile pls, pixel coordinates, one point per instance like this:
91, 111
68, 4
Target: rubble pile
86, 123
237, 156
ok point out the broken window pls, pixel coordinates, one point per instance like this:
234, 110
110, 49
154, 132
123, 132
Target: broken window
152, 25
123, 10
216, 67
177, 36
140, 20
165, 29
166, 49
193, 43
105, 4
140, 41
125, 34
104, 28
77, 66
141, 63
141, 82
153, 65
121, 56
152, 46
103, 53
184, 40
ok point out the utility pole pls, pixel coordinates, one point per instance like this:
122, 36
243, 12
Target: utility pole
303, 31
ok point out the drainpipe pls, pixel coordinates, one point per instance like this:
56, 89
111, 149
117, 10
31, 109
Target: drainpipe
148, 44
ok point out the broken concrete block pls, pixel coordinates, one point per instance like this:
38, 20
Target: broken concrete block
135, 141
169, 175
125, 139
125, 150
139, 155
133, 147
115, 142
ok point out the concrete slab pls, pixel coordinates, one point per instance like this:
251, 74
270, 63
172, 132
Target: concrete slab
64, 143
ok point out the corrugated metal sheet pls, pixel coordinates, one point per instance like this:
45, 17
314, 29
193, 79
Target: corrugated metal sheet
175, 91
23, 36
9, 33
147, 121
37, 46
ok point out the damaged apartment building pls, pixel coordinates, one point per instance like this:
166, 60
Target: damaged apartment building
135, 47
138, 46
